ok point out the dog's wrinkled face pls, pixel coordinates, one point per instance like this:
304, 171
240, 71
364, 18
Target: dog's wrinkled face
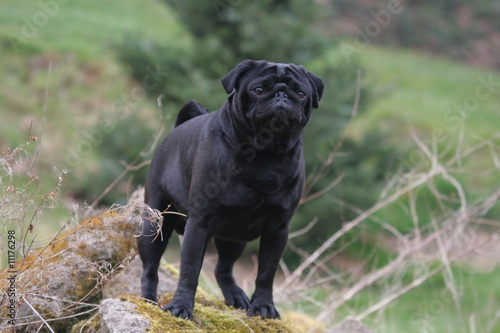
272, 102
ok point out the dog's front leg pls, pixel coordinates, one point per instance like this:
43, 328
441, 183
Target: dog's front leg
272, 246
192, 252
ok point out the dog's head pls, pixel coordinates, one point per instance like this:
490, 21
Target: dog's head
271, 103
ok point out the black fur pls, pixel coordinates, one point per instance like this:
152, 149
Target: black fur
190, 110
238, 174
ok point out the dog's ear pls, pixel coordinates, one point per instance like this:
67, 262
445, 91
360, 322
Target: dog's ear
231, 79
318, 87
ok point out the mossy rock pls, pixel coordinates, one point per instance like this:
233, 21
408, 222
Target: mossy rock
53, 281
210, 315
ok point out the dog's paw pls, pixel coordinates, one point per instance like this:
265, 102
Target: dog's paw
178, 309
149, 295
264, 309
237, 298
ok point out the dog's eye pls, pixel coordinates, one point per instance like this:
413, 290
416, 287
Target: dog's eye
301, 94
258, 90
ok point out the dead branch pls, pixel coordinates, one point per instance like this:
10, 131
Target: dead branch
352, 224
322, 172
37, 314
135, 164
450, 224
304, 230
420, 280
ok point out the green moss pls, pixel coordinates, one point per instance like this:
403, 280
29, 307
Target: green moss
210, 315
87, 326
160, 320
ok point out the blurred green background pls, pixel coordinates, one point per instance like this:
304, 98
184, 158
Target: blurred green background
85, 78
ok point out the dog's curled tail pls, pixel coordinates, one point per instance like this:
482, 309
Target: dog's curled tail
189, 111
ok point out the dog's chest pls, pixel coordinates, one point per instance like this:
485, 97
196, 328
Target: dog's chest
265, 181
262, 195
270, 175
244, 225
261, 185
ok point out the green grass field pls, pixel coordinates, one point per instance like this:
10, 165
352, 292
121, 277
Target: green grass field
420, 91
412, 91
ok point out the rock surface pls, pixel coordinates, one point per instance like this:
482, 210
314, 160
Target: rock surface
119, 316
52, 283
128, 281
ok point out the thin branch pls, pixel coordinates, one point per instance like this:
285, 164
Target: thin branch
88, 321
320, 174
450, 281
304, 230
418, 281
148, 149
115, 182
38, 315
44, 111
323, 191
135, 167
406, 252
355, 108
159, 133
354, 223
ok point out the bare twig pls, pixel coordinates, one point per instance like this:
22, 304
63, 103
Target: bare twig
440, 232
159, 133
38, 315
419, 281
304, 230
450, 280
321, 173
354, 223
354, 113
323, 191
44, 111
405, 253
134, 165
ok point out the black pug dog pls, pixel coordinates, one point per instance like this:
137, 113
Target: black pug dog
238, 174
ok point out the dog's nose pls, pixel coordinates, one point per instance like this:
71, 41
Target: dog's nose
281, 96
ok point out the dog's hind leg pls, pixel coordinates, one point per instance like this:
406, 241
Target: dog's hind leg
194, 244
152, 245
229, 252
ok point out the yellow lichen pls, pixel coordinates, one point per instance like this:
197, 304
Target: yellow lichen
98, 221
304, 323
82, 249
210, 315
